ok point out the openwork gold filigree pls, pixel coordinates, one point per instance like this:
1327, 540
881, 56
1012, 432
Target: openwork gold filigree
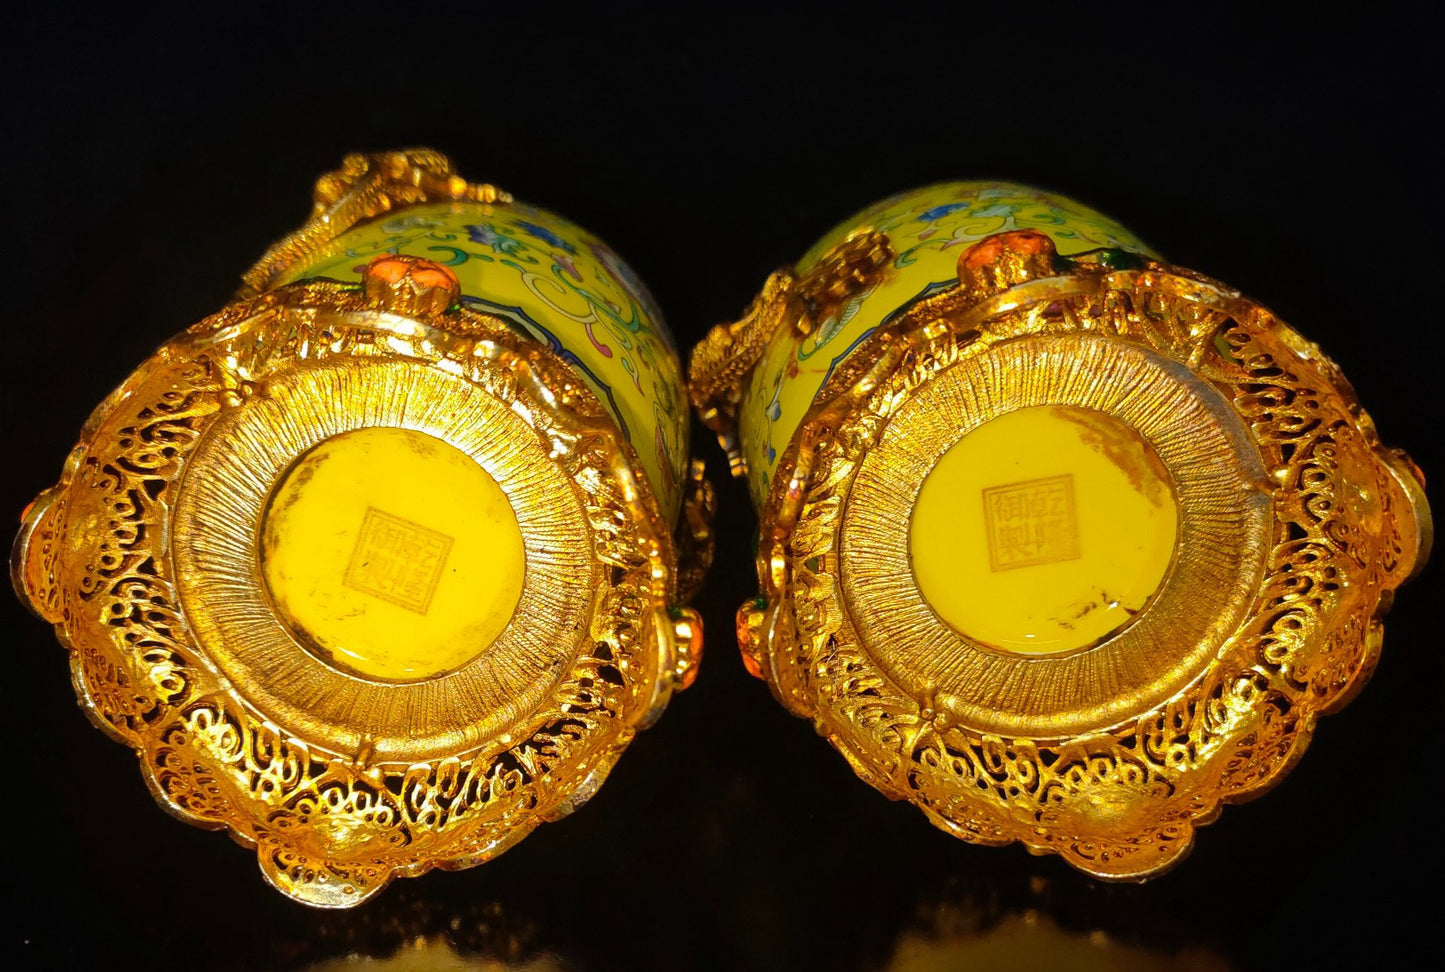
366, 186
722, 360
144, 557
1297, 527
336, 804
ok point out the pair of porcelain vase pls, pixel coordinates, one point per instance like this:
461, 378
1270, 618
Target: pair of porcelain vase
385, 563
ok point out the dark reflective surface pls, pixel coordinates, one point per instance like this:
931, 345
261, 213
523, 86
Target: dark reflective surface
152, 159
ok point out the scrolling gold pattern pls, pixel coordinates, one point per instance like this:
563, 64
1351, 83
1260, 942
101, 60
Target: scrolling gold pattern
1120, 801
331, 827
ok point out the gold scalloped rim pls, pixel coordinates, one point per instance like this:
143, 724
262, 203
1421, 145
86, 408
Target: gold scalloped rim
212, 760
1121, 802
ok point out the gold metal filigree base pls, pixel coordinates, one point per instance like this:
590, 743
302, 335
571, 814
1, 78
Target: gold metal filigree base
145, 559
1296, 527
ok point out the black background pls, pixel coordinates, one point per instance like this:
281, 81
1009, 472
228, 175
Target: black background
151, 156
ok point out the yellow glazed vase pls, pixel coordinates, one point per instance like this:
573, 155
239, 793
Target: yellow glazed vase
1062, 543
383, 564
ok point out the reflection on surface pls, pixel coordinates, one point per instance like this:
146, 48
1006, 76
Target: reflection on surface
970, 930
435, 954
413, 933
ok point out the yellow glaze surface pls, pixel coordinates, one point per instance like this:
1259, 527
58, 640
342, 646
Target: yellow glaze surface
392, 554
560, 285
929, 228
1045, 530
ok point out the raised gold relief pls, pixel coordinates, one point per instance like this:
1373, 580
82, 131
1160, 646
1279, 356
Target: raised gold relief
364, 574
1068, 548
